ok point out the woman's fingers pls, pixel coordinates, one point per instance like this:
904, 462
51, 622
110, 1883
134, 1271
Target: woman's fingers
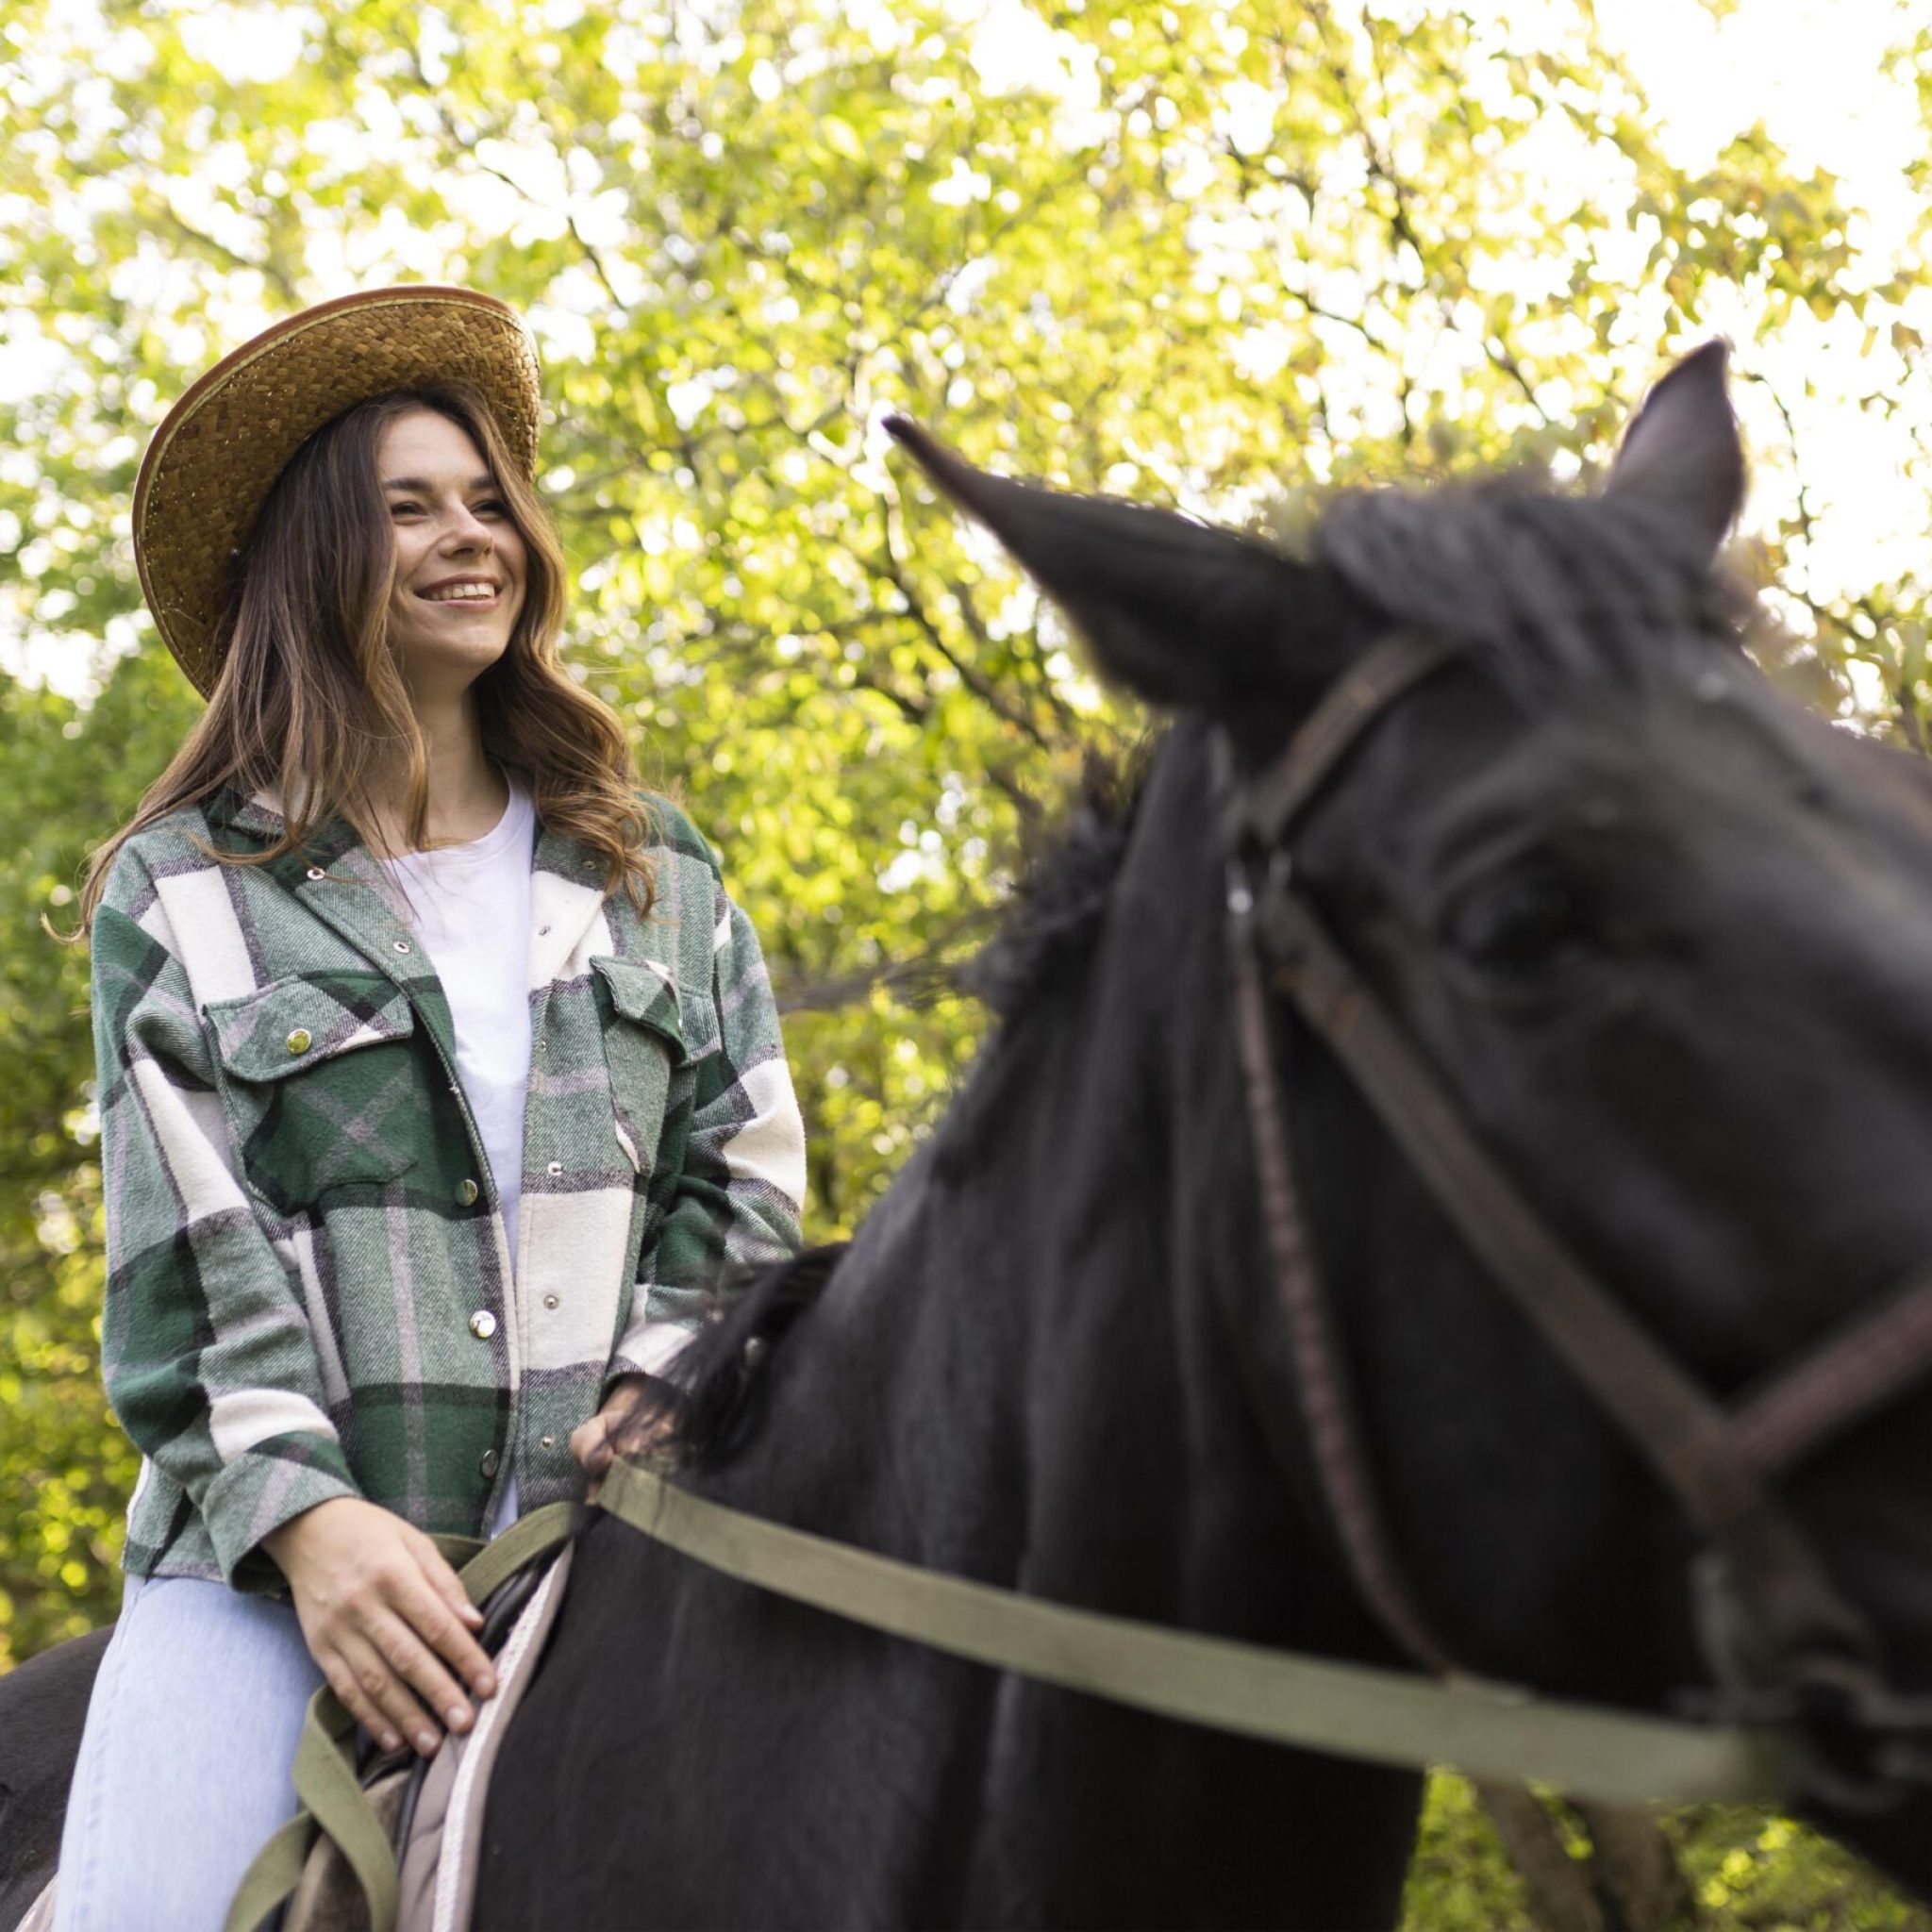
447, 1587
422, 1604
593, 1457
592, 1447
380, 1699
387, 1619
585, 1445
652, 1433
364, 1708
446, 1583
590, 1444
410, 1660
392, 1677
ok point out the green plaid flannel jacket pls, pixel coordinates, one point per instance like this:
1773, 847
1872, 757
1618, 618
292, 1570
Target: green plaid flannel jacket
309, 1287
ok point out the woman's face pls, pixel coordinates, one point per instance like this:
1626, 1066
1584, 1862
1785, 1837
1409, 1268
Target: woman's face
460, 567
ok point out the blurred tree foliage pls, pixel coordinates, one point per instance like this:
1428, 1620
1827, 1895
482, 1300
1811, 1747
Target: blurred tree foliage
1200, 255
1742, 1869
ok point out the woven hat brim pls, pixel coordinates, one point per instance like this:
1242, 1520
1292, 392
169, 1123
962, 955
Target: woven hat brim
219, 450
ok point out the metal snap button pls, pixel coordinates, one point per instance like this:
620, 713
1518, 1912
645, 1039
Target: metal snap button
548, 1442
554, 1167
299, 1041
466, 1192
402, 945
482, 1324
489, 1463
315, 871
549, 1301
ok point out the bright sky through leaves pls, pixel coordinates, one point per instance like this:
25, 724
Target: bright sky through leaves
1810, 72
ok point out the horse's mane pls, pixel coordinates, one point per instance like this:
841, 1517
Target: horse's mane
1053, 918
704, 1395
1554, 589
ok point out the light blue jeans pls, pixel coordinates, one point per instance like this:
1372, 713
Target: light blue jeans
184, 1767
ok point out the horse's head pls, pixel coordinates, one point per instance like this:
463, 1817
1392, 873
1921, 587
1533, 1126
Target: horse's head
1666, 941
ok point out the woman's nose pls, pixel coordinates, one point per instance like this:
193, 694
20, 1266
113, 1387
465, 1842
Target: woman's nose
468, 531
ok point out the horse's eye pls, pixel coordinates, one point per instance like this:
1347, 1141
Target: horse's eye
1524, 921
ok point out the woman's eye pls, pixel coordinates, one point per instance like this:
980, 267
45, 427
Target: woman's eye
1521, 922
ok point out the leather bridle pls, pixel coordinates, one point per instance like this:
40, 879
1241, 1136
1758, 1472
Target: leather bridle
1775, 1630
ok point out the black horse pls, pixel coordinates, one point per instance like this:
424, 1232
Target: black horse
1670, 941
1667, 937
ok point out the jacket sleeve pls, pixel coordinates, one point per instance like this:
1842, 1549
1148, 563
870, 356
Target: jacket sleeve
738, 1193
210, 1363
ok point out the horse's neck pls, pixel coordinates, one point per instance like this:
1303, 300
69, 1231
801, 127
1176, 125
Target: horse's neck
898, 1411
1025, 1370
1018, 1374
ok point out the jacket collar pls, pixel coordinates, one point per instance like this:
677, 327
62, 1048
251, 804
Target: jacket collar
352, 895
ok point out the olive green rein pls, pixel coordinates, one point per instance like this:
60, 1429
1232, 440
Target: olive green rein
1350, 1710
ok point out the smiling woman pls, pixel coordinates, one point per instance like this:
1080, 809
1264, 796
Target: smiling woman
372, 1278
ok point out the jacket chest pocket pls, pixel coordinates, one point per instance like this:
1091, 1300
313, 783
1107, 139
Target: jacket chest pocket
318, 1077
649, 1037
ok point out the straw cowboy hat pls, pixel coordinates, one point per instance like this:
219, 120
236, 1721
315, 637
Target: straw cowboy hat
220, 449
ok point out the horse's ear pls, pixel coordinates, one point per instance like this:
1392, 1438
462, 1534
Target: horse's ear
1179, 612
1681, 460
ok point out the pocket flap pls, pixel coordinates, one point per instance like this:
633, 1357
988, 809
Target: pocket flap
295, 1022
643, 991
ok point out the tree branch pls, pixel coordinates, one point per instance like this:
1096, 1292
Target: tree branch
919, 978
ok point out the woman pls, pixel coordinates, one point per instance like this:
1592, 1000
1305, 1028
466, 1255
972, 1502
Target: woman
439, 1078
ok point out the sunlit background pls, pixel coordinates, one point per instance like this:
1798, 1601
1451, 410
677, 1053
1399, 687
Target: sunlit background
1835, 429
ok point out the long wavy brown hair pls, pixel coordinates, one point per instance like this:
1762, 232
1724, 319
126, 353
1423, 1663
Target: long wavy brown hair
310, 703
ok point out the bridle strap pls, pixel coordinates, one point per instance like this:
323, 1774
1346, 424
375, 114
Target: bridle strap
1263, 809
1773, 1576
1873, 1357
1686, 1436
1669, 1419
1323, 1385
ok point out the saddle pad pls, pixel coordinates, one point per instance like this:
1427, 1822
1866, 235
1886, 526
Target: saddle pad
440, 1865
437, 1877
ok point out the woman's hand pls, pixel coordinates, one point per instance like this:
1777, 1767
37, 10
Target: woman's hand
593, 1444
384, 1619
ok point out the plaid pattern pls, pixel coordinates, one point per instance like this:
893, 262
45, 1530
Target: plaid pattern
309, 1287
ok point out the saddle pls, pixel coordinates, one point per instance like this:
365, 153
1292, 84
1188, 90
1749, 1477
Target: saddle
392, 1844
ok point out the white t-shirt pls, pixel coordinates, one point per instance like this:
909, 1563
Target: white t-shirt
470, 905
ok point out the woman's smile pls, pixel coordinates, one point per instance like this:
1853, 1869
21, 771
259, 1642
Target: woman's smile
477, 593
456, 548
